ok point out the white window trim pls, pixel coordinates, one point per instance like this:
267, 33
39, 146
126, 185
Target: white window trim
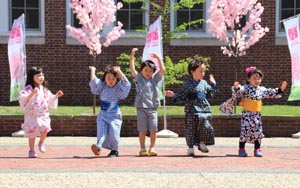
131, 37
204, 38
32, 37
280, 37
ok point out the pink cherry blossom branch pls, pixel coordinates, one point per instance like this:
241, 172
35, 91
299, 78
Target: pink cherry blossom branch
225, 24
94, 15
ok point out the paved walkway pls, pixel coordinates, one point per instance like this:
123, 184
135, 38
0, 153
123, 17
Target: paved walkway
70, 163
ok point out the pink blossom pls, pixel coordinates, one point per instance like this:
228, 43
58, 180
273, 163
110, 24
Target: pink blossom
225, 18
94, 15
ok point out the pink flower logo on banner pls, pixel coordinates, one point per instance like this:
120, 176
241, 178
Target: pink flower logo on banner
15, 32
152, 38
293, 33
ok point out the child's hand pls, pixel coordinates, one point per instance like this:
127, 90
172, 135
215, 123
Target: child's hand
212, 79
236, 85
155, 56
133, 51
169, 93
116, 68
59, 93
283, 85
35, 90
93, 69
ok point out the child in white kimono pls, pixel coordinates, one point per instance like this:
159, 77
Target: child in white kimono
35, 99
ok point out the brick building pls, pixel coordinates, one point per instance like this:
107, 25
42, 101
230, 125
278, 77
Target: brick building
66, 62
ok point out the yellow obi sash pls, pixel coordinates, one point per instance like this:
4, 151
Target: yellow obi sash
251, 105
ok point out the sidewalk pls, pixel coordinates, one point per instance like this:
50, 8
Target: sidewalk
70, 163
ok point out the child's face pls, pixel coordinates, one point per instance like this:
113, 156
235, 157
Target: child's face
39, 79
147, 72
110, 80
255, 80
199, 73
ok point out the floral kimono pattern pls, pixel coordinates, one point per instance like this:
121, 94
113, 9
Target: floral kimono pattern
37, 116
251, 123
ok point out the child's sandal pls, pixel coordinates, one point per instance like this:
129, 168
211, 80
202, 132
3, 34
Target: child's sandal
152, 152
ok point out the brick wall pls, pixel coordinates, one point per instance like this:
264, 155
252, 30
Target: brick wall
225, 126
66, 66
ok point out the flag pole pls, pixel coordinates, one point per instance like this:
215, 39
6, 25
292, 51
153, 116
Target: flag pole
165, 133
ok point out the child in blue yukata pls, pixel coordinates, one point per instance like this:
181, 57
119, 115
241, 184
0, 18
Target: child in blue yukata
252, 95
147, 100
194, 92
113, 86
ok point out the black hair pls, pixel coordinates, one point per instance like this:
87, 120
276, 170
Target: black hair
109, 69
195, 63
254, 71
30, 76
148, 63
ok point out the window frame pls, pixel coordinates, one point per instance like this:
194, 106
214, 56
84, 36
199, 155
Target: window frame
130, 37
203, 38
32, 36
189, 11
280, 36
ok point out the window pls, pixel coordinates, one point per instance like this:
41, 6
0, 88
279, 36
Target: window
131, 15
75, 21
186, 15
31, 9
34, 11
287, 8
198, 34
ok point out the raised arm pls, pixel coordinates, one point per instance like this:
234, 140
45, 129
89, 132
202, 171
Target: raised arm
93, 72
132, 66
119, 72
160, 63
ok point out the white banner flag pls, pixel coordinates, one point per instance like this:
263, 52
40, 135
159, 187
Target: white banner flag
153, 43
293, 37
17, 57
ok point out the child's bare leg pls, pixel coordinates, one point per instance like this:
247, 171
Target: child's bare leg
31, 142
142, 139
152, 139
42, 140
43, 136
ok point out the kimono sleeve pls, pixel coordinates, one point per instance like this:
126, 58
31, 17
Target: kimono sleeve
53, 100
271, 92
211, 90
157, 77
123, 88
24, 104
238, 93
181, 95
96, 86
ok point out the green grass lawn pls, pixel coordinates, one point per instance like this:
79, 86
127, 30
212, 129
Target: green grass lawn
267, 110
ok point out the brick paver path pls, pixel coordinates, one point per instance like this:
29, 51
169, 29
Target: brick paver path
169, 159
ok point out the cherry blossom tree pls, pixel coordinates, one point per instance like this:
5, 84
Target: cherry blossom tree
225, 24
237, 24
94, 15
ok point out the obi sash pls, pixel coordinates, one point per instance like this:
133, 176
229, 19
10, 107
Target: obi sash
251, 105
109, 106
